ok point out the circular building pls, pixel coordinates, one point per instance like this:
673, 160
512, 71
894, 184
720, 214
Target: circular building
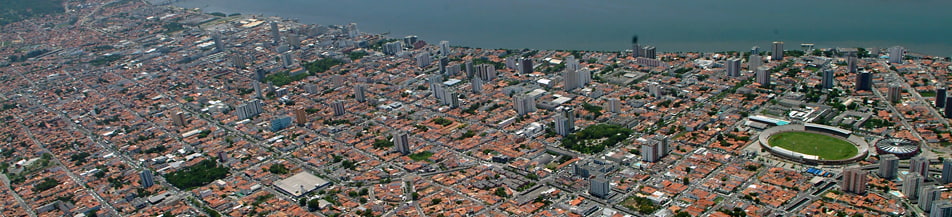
814, 144
902, 148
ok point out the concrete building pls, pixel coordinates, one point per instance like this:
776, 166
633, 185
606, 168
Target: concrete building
338, 107
525, 64
423, 59
250, 109
896, 53
486, 72
920, 165
613, 105
894, 93
828, 79
360, 93
763, 77
178, 119
911, 185
777, 52
300, 184
477, 85
300, 117
851, 63
524, 104
888, 166
940, 95
445, 48
864, 81
942, 208
146, 178
754, 62
948, 107
927, 195
854, 180
402, 143
599, 187
946, 171
733, 67
280, 123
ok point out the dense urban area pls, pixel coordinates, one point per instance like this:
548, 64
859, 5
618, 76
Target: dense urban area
128, 108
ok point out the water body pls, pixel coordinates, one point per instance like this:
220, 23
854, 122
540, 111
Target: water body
923, 26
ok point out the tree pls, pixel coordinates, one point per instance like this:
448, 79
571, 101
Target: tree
313, 204
682, 214
278, 169
501, 192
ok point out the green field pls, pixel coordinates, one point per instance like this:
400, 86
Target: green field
827, 147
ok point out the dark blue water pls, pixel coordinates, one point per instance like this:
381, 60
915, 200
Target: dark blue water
922, 26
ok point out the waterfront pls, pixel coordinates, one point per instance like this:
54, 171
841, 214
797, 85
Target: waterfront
682, 25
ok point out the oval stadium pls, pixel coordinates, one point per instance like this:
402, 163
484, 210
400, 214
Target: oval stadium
814, 144
902, 148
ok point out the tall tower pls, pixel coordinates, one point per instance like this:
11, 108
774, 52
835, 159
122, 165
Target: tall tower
649, 153
946, 171
524, 104
940, 95
300, 116
402, 143
888, 166
635, 47
920, 165
570, 79
178, 119
911, 184
338, 107
777, 53
948, 107
561, 125
854, 180
733, 67
828, 79
614, 105
477, 85
650, 52
754, 62
360, 93
599, 187
927, 195
895, 93
763, 77
851, 63
864, 81
275, 33
526, 65
445, 48
942, 208
896, 53
147, 180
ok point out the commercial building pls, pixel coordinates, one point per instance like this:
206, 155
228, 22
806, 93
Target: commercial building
300, 184
599, 187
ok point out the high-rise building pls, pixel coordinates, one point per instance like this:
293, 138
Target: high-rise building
733, 67
854, 180
920, 165
948, 107
562, 125
599, 187
338, 107
219, 45
651, 52
294, 41
851, 63
940, 95
895, 93
911, 184
754, 62
445, 48
888, 166
655, 89
941, 208
423, 59
526, 65
258, 92
178, 119
896, 53
286, 60
864, 81
524, 104
763, 76
571, 63
584, 76
409, 41
300, 116
249, 109
401, 143
828, 79
635, 47
570, 79
360, 93
486, 72
146, 178
352, 30
664, 144
649, 153
275, 33
280, 123
946, 171
469, 68
927, 195
443, 63
613, 105
237, 60
777, 53
477, 85
392, 48
755, 50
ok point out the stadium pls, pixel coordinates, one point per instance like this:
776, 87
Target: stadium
814, 144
